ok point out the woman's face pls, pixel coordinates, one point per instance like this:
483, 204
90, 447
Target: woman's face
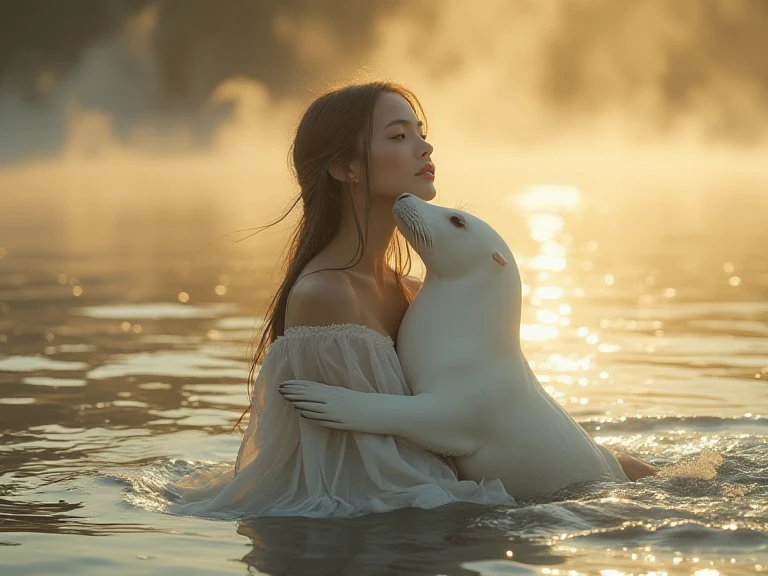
399, 151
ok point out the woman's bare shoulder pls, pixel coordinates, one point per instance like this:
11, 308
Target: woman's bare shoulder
322, 298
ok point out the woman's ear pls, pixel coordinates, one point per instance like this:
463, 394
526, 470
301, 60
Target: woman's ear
344, 172
338, 172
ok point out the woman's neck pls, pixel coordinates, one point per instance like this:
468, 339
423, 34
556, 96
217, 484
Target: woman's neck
344, 247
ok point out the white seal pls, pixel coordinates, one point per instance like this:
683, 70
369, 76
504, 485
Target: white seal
475, 396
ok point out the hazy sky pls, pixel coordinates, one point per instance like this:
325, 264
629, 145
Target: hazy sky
655, 61
201, 97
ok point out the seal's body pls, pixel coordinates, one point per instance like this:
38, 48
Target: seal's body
475, 396
514, 430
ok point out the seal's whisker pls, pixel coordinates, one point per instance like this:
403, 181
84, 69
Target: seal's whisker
422, 231
419, 234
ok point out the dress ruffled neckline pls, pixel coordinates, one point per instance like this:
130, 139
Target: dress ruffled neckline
348, 329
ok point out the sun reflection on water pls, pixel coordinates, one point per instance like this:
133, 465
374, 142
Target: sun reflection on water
546, 286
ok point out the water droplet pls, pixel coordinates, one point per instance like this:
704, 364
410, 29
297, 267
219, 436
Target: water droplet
183, 297
734, 281
77, 291
220, 290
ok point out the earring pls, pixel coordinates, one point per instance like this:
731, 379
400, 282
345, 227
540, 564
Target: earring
353, 180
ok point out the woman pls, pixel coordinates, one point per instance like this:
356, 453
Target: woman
335, 319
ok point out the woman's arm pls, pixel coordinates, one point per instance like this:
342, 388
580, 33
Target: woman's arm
432, 422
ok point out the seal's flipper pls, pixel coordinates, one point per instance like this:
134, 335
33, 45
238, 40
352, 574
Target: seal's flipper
429, 421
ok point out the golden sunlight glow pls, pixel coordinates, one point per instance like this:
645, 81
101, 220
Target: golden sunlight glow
542, 262
618, 148
537, 332
547, 317
549, 292
548, 198
544, 227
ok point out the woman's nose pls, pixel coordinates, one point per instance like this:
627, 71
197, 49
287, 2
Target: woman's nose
427, 150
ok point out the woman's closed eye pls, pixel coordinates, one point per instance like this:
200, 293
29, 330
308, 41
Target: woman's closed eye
423, 136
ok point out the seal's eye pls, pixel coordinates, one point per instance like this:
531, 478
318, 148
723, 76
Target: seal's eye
458, 222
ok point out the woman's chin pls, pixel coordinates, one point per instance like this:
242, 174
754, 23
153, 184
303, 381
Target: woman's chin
425, 193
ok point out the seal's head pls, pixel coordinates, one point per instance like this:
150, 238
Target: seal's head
451, 242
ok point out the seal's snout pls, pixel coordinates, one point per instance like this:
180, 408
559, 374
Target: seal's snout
410, 222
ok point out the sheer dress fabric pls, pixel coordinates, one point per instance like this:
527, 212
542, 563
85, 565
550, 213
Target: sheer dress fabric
290, 466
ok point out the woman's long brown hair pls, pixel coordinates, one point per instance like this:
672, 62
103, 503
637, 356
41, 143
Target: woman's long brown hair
336, 127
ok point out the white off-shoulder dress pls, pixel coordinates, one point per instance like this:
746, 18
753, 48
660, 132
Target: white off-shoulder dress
290, 466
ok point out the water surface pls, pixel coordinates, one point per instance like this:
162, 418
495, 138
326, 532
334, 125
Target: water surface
123, 367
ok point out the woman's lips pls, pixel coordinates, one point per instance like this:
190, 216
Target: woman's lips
429, 168
428, 172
